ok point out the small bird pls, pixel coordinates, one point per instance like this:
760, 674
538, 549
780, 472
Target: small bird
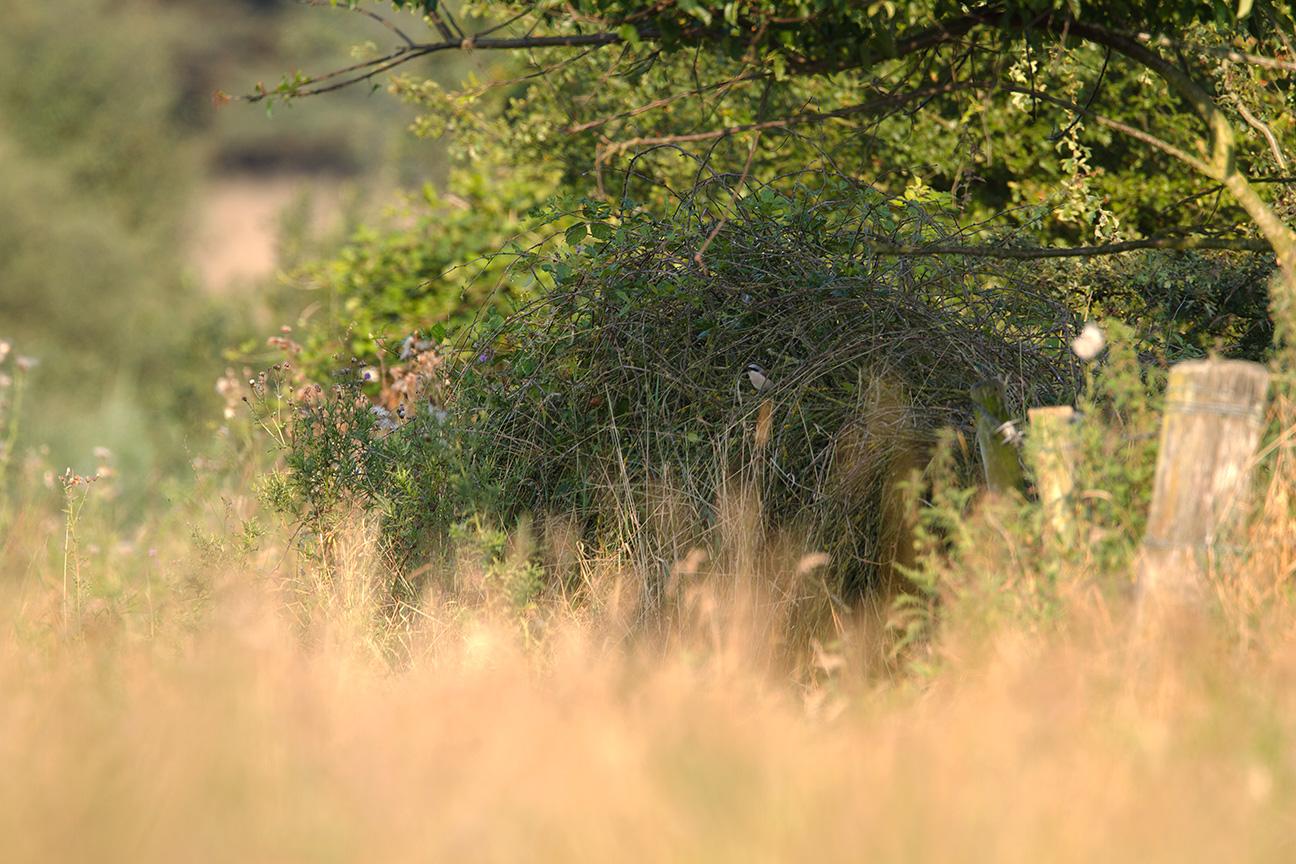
756, 375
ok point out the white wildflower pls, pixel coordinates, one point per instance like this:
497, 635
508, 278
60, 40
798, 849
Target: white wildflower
1089, 343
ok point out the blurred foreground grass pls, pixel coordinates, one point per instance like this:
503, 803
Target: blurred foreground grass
192, 692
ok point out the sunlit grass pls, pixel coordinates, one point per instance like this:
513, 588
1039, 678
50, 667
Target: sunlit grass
216, 698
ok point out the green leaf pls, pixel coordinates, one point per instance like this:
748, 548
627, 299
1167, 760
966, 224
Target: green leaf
629, 35
576, 233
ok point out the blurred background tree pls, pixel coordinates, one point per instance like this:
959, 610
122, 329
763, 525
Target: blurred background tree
141, 226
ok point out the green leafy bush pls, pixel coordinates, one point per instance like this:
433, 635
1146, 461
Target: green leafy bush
622, 379
435, 265
1180, 305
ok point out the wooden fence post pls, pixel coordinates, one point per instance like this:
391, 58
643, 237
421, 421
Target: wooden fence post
1214, 413
1052, 451
994, 434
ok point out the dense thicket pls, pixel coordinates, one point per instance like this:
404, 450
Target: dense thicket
588, 350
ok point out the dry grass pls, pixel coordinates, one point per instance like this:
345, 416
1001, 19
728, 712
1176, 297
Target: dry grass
254, 707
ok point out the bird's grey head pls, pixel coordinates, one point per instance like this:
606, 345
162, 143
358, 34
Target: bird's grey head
752, 367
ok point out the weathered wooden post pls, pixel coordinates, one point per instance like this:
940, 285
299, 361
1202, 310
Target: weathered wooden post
995, 437
1214, 413
1052, 451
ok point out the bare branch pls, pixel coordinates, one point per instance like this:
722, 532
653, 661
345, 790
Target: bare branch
874, 106
1240, 244
442, 27
404, 55
1230, 54
1260, 126
662, 102
404, 37
1115, 125
508, 22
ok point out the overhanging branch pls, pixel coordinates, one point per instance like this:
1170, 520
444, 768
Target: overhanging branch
927, 38
400, 56
873, 106
1184, 244
1222, 165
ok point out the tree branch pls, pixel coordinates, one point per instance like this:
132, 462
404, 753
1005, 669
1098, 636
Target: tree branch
931, 37
1260, 126
1115, 125
373, 16
1230, 54
1240, 244
660, 103
892, 100
404, 55
1222, 166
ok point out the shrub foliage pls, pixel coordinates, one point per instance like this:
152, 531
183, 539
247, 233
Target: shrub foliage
621, 385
